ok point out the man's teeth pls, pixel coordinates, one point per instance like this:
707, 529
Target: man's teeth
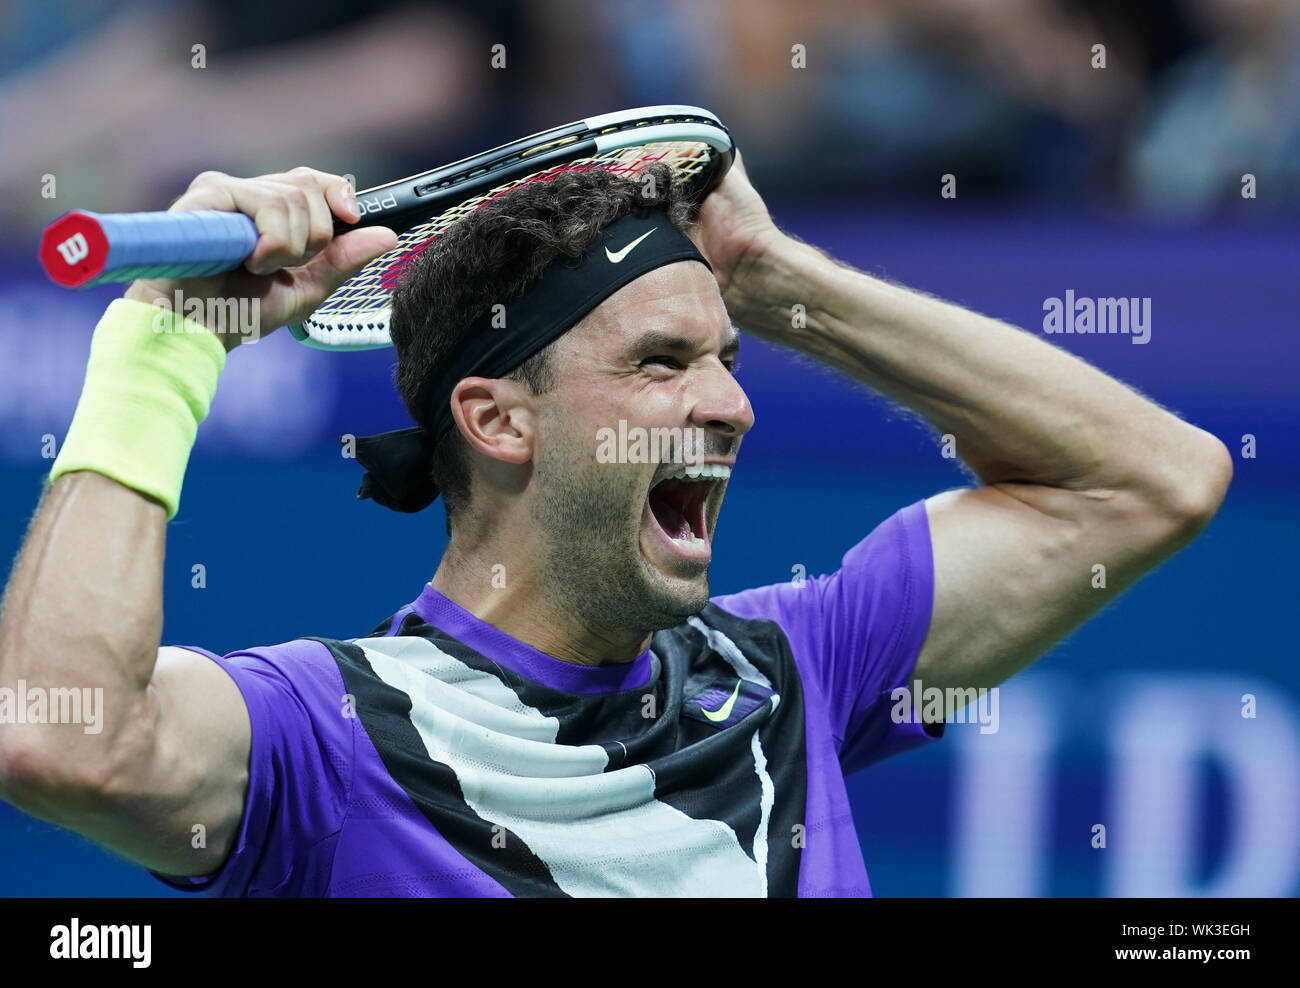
705, 471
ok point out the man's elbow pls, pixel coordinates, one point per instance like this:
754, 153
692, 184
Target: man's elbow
23, 772
1202, 485
44, 784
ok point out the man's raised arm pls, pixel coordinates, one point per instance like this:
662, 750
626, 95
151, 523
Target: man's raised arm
1076, 468
163, 743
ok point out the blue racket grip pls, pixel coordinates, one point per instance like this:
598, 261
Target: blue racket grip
81, 249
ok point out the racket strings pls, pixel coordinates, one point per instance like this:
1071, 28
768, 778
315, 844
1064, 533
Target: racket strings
356, 314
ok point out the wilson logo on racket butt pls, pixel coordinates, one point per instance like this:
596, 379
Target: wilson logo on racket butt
74, 249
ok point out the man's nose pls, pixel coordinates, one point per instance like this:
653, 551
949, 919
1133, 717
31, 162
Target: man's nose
722, 406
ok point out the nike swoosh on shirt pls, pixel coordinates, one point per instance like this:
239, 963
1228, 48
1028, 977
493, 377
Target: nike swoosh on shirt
724, 711
616, 256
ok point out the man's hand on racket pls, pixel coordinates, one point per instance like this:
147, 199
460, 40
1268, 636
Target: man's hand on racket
297, 262
734, 230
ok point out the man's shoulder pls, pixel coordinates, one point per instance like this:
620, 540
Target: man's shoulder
307, 666
323, 651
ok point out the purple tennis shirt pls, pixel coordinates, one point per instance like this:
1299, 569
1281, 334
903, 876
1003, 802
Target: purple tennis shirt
438, 756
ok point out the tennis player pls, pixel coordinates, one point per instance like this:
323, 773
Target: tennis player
564, 710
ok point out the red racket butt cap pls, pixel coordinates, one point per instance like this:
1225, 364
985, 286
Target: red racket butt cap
74, 249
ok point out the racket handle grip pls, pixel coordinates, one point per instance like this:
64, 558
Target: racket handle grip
81, 249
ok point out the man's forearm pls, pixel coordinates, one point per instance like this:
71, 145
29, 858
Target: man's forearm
1019, 408
84, 606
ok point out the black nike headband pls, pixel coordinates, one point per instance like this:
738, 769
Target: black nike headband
398, 463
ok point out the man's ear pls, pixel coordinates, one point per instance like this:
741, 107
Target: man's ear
496, 416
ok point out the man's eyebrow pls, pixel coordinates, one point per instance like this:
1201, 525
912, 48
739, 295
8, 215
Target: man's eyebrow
732, 347
657, 341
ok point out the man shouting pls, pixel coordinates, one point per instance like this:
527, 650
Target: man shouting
564, 710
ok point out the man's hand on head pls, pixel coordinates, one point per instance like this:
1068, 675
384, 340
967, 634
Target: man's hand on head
734, 230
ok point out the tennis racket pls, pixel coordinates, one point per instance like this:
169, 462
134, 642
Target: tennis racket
81, 249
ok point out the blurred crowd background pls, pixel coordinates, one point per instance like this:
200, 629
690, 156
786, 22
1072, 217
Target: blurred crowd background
1122, 181
1006, 94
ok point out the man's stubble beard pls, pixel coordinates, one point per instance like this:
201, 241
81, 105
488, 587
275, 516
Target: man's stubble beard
593, 561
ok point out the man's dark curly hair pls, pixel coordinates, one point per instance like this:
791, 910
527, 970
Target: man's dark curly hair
490, 257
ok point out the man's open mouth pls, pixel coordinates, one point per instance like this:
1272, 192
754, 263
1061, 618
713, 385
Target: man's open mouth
678, 503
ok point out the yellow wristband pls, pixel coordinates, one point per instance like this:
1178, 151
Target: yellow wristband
149, 383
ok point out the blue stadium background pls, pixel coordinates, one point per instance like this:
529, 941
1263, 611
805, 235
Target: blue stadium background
1133, 723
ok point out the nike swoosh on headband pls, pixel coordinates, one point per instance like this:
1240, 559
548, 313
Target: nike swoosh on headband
616, 256
398, 463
